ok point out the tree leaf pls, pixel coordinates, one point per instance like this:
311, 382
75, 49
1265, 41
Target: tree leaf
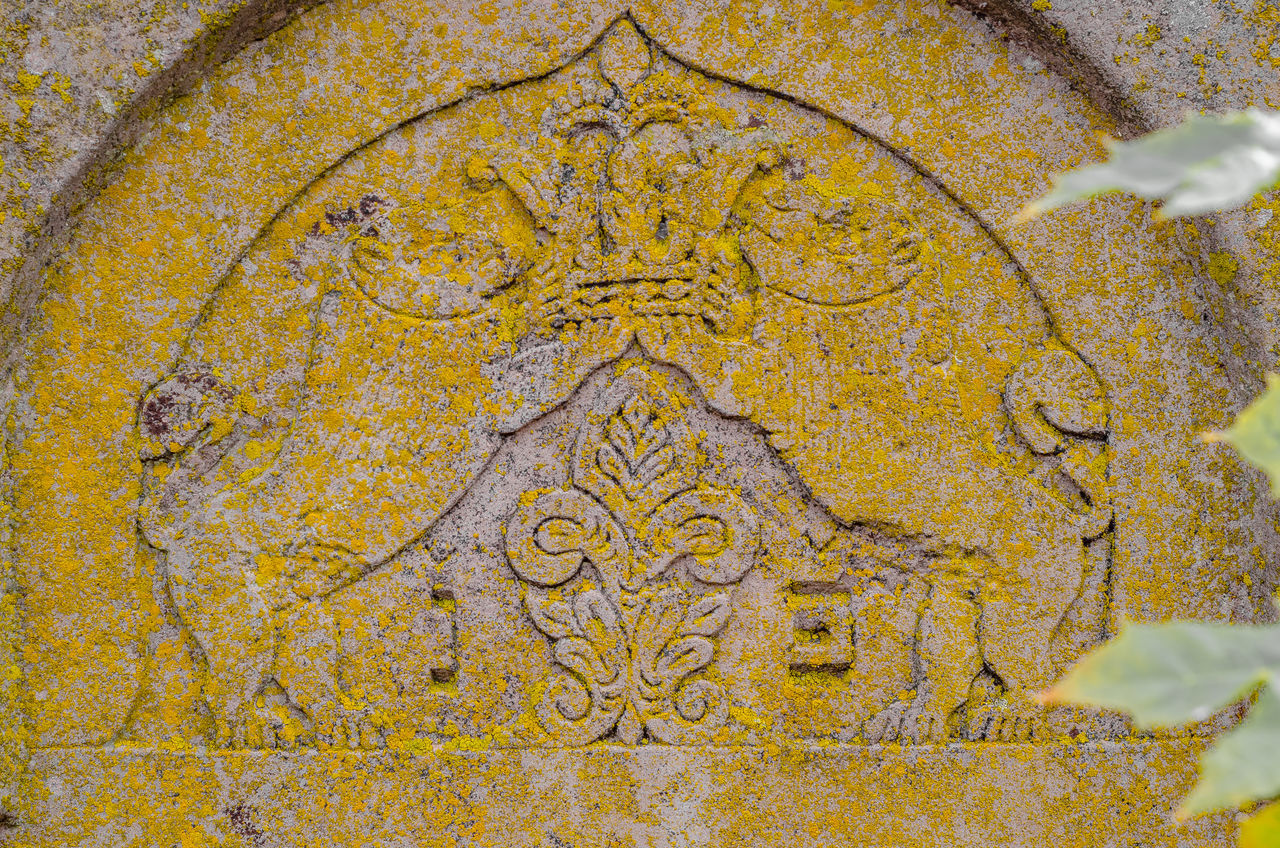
1207, 163
1171, 674
1256, 433
1245, 764
1262, 829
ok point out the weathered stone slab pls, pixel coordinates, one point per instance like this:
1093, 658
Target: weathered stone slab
1078, 795
646, 414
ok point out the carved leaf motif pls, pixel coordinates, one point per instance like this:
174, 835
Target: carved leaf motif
683, 656
584, 703
636, 431
553, 618
598, 622
613, 465
707, 617
658, 622
671, 641
633, 480
634, 685
655, 464
638, 451
626, 649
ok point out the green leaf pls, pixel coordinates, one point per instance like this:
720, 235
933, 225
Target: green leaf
1256, 433
1245, 764
1171, 674
1205, 164
1262, 829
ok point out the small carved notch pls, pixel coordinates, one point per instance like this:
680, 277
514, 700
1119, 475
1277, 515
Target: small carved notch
821, 630
439, 642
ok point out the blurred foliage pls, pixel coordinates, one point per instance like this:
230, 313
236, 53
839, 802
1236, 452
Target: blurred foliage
1205, 164
1178, 673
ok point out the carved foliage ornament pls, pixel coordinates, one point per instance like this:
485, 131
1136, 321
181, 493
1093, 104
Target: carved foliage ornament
630, 573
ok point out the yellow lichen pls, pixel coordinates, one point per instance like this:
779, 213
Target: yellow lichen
876, 400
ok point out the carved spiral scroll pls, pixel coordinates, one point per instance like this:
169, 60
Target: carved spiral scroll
701, 709
585, 701
713, 527
555, 531
1058, 408
1052, 394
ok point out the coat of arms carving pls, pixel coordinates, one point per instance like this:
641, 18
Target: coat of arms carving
622, 405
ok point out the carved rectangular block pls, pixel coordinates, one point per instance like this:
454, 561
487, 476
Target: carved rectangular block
436, 647
822, 631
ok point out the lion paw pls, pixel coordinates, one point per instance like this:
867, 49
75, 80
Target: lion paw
1008, 719
925, 726
263, 724
355, 730
886, 725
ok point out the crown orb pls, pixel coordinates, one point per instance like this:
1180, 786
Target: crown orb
652, 173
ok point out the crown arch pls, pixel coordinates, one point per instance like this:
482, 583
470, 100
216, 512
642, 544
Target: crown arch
193, 226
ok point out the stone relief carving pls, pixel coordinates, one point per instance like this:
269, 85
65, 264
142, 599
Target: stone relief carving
635, 560
504, 256
665, 553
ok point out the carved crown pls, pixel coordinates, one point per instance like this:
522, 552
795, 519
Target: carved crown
633, 183
637, 187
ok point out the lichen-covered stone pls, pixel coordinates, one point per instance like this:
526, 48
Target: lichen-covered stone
565, 423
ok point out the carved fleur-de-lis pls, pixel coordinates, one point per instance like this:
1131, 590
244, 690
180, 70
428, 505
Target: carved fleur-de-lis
632, 580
